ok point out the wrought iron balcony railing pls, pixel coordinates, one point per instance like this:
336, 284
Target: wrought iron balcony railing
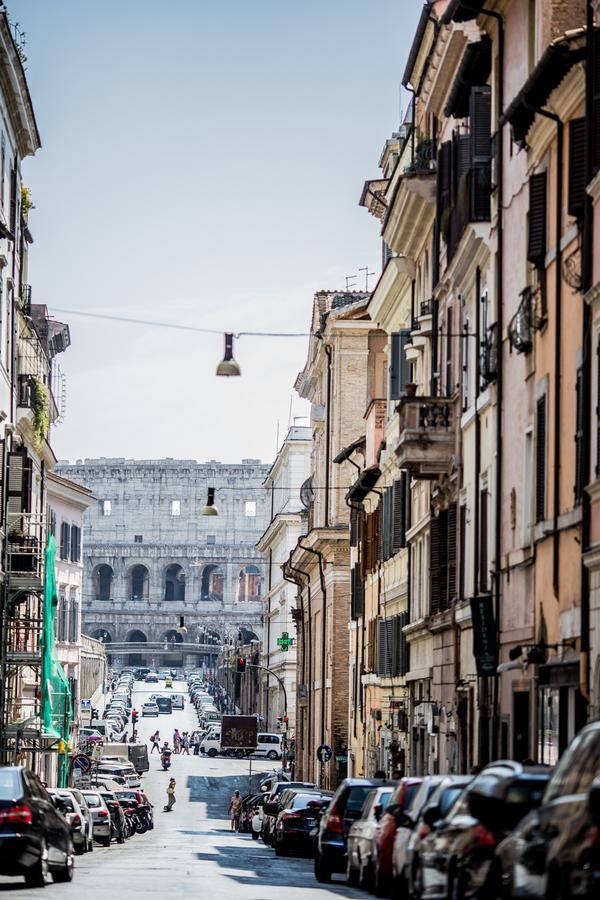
427, 435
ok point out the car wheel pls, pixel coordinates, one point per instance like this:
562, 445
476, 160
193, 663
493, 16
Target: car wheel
37, 875
322, 870
80, 849
212, 752
280, 850
65, 873
272, 754
379, 882
105, 842
90, 845
239, 754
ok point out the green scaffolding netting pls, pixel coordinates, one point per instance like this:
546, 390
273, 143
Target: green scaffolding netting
57, 708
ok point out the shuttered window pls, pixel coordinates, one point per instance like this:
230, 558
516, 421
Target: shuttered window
18, 487
443, 559
576, 167
392, 646
540, 460
596, 102
2, 453
400, 369
357, 593
598, 407
451, 553
480, 115
75, 544
483, 541
443, 178
399, 502
536, 248
370, 543
462, 537
580, 475
65, 540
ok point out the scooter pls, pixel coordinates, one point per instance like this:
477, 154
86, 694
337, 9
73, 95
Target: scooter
166, 759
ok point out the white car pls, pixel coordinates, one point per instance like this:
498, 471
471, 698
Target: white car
150, 708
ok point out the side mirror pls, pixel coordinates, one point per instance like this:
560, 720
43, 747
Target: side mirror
378, 811
431, 815
594, 802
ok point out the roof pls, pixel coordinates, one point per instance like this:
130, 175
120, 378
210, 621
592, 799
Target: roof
365, 482
474, 69
344, 454
14, 84
555, 62
417, 40
462, 11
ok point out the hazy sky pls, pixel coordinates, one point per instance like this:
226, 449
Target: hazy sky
201, 164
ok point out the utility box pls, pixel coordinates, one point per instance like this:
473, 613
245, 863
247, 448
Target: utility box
239, 732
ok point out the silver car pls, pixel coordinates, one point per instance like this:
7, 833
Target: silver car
100, 816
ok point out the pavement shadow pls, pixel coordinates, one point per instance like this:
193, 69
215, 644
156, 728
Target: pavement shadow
216, 792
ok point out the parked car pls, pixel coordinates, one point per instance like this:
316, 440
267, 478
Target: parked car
406, 866
272, 804
383, 849
150, 708
294, 823
120, 770
89, 736
342, 812
362, 835
455, 859
406, 825
34, 836
100, 816
555, 851
177, 701
79, 824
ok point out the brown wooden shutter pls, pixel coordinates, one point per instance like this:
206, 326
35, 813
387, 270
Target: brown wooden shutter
462, 527
443, 177
18, 487
536, 249
596, 103
483, 541
452, 553
576, 167
398, 516
580, 475
435, 566
540, 460
461, 162
480, 113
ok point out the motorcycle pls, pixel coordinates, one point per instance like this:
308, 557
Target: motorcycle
166, 759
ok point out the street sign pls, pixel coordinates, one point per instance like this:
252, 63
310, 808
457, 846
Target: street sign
324, 753
86, 704
81, 763
285, 641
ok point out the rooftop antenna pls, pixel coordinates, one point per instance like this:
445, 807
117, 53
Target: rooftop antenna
277, 439
350, 278
368, 274
290, 413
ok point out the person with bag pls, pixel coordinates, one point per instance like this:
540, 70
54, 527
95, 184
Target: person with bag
171, 799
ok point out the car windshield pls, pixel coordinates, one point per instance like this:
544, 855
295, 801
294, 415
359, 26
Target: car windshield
384, 799
67, 802
10, 786
356, 798
93, 800
449, 797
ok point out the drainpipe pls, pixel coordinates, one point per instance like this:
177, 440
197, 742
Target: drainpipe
477, 455
586, 283
269, 630
306, 645
328, 353
323, 632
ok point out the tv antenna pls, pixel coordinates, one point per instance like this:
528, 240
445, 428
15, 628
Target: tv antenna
350, 278
368, 274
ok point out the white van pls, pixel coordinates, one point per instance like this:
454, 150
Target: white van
268, 745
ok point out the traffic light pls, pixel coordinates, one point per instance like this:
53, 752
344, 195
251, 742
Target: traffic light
134, 716
240, 665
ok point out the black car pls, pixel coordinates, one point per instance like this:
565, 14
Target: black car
35, 839
457, 858
272, 805
117, 817
344, 809
555, 851
293, 826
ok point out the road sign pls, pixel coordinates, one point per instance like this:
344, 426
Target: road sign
324, 753
81, 763
285, 641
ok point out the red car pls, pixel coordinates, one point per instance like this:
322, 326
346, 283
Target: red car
383, 850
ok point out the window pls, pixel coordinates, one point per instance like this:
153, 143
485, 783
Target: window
62, 621
105, 507
2, 171
65, 540
51, 521
250, 508
483, 541
577, 180
74, 621
443, 559
75, 543
138, 538
536, 248
175, 507
210, 539
580, 475
540, 460
527, 487
400, 369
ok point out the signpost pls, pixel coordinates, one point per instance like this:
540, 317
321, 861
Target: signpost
324, 754
285, 641
81, 764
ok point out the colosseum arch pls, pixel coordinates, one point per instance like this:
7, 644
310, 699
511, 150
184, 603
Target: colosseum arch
101, 634
213, 581
175, 583
136, 637
139, 582
103, 580
249, 583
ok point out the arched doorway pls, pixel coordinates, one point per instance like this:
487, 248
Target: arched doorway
249, 583
103, 579
213, 581
101, 634
172, 657
136, 637
139, 583
175, 583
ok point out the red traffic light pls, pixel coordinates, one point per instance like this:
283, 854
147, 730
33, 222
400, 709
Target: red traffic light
241, 664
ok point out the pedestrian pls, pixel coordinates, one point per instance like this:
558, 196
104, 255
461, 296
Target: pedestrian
185, 744
235, 810
256, 823
171, 799
196, 743
176, 740
155, 740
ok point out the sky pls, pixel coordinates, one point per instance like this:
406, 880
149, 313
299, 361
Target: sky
201, 164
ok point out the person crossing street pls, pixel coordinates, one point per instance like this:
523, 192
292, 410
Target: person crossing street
171, 799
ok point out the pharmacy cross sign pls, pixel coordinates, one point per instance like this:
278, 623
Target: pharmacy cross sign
285, 641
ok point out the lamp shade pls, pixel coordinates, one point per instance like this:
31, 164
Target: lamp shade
210, 509
228, 366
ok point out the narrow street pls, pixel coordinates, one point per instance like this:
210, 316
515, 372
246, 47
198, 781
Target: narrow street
193, 845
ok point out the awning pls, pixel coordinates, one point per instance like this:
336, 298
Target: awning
557, 60
347, 452
474, 69
363, 484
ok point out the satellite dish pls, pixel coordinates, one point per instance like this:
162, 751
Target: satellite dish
307, 494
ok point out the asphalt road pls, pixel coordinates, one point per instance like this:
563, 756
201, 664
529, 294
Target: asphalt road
192, 847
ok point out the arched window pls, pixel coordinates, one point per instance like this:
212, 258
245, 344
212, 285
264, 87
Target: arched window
212, 583
173, 637
103, 582
101, 634
249, 583
139, 583
136, 637
175, 583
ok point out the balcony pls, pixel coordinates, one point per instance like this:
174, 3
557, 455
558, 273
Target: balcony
412, 206
472, 205
426, 443
25, 551
526, 321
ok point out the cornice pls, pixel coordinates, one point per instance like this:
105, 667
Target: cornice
391, 289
